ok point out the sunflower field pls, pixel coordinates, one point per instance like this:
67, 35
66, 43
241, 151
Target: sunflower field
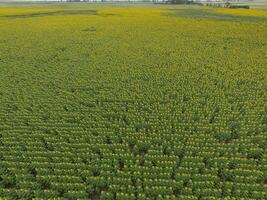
133, 103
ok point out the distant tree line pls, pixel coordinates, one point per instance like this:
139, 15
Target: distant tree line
179, 1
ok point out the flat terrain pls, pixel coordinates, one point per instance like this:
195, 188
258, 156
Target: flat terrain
122, 101
258, 4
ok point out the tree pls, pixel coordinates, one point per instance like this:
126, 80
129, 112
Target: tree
180, 1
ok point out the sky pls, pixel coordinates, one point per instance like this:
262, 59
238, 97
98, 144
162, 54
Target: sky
65, 0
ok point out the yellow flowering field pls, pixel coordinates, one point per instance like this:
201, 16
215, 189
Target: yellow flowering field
243, 12
132, 102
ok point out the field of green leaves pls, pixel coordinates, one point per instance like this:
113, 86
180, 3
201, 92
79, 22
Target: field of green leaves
138, 102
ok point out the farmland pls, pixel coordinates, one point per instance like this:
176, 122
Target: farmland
132, 102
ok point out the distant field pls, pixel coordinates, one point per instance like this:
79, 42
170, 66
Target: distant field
257, 5
132, 101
